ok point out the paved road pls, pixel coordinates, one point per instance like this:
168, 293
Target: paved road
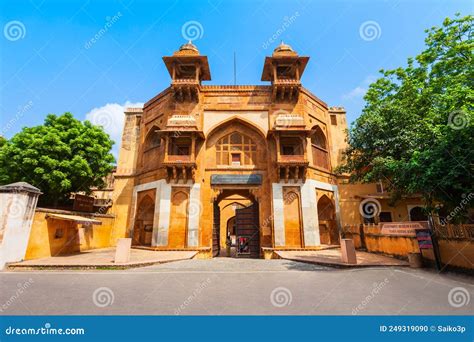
233, 286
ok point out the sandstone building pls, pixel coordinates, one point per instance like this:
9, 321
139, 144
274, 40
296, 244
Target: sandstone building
240, 168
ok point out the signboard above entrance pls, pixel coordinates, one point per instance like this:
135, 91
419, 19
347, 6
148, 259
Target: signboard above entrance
403, 228
252, 179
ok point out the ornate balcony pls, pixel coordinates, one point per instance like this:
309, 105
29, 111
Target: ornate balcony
186, 89
291, 167
286, 89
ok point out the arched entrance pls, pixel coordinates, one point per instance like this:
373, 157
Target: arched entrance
418, 214
328, 231
143, 230
240, 224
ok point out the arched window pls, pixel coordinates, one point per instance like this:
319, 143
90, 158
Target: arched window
418, 214
319, 149
153, 140
326, 209
236, 149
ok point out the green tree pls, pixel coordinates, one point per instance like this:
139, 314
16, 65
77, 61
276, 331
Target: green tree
61, 156
416, 131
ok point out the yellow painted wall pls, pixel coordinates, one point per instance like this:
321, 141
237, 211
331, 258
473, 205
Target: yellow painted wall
43, 243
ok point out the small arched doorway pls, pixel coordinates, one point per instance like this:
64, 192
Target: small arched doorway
328, 232
292, 217
177, 234
143, 229
418, 214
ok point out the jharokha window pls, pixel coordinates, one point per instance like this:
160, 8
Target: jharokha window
319, 149
236, 149
179, 146
291, 146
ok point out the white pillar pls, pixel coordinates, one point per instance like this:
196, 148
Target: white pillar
278, 218
164, 207
194, 212
309, 208
17, 208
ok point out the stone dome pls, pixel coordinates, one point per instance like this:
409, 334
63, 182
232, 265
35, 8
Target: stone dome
187, 49
284, 49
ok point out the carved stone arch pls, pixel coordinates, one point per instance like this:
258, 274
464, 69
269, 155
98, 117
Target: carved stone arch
328, 230
236, 143
326, 208
320, 148
152, 136
238, 120
318, 137
292, 217
152, 148
144, 221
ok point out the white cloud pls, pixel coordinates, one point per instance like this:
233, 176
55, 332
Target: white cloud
111, 117
359, 91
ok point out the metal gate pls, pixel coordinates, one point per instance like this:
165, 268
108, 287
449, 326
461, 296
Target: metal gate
216, 230
247, 232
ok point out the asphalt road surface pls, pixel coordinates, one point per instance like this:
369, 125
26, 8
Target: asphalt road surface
225, 286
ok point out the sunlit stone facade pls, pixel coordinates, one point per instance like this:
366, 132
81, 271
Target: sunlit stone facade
231, 170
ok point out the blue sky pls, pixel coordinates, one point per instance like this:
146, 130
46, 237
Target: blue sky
50, 64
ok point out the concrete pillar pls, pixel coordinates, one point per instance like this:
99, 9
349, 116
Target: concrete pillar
194, 210
278, 217
309, 208
164, 217
17, 208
